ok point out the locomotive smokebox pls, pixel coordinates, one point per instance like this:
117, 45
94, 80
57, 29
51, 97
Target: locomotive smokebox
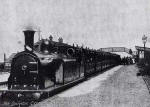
29, 39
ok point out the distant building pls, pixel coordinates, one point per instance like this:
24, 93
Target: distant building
1, 66
140, 51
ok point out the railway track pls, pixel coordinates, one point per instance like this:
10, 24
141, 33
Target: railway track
147, 82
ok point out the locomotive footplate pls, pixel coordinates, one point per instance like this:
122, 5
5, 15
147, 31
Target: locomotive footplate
37, 95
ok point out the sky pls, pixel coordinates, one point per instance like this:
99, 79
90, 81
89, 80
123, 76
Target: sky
93, 23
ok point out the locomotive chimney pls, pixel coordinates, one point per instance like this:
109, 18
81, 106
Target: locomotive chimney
29, 39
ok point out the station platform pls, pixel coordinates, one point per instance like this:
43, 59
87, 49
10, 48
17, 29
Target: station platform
117, 87
4, 76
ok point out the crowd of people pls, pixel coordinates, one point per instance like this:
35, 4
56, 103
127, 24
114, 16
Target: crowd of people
127, 60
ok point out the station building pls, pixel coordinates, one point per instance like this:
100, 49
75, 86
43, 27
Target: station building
140, 51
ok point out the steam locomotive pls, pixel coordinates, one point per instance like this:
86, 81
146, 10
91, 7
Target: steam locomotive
47, 62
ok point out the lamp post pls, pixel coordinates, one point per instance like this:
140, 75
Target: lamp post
144, 39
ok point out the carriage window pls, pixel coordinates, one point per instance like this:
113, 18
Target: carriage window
54, 50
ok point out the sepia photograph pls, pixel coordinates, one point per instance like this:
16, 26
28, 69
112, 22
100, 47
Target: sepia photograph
74, 53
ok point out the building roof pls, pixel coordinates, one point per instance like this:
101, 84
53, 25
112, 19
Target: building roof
123, 54
142, 48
